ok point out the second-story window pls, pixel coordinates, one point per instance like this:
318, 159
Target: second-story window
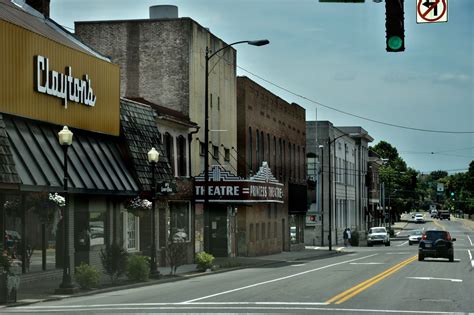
169, 148
181, 156
215, 152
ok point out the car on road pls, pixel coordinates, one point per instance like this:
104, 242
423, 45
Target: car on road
444, 215
415, 237
419, 218
378, 235
436, 244
434, 214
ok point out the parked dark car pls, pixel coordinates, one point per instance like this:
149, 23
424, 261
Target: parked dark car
444, 215
436, 244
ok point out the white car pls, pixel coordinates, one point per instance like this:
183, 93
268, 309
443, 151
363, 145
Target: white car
378, 235
415, 237
419, 218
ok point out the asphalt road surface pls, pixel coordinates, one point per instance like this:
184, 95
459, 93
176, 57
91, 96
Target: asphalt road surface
376, 280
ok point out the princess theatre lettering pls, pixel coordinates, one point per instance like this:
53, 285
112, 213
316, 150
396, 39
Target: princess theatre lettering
61, 85
226, 187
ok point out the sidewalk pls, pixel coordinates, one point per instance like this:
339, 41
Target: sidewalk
43, 290
466, 222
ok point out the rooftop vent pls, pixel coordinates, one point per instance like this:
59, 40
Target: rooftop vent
163, 12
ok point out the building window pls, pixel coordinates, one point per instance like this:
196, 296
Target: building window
311, 161
218, 103
226, 155
169, 149
250, 148
269, 230
202, 149
180, 221
181, 156
131, 225
257, 148
268, 149
252, 235
257, 231
275, 230
263, 231
262, 151
215, 152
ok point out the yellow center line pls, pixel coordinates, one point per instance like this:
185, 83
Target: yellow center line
344, 296
438, 224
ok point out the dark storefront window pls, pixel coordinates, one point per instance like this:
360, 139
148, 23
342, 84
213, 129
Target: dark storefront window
168, 141
180, 221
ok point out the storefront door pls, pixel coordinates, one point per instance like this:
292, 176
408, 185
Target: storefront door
218, 230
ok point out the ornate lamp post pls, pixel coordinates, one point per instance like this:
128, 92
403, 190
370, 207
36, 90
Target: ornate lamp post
153, 157
209, 55
65, 140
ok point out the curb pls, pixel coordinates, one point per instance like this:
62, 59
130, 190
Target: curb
181, 277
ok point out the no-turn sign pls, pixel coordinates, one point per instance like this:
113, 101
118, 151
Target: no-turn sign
431, 11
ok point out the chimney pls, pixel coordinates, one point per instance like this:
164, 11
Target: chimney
41, 6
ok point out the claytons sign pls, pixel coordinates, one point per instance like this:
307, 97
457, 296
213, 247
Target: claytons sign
61, 85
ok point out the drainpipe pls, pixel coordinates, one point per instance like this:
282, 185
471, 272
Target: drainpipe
190, 139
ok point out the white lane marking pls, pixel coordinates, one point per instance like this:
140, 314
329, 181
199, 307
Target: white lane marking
298, 265
339, 248
195, 306
369, 263
431, 278
470, 241
470, 258
278, 279
395, 253
402, 244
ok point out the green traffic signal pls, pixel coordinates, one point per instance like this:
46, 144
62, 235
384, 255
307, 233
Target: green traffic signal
452, 194
395, 43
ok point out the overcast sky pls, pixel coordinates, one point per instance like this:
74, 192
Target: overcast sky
334, 54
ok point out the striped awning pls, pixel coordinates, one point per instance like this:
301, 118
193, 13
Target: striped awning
95, 162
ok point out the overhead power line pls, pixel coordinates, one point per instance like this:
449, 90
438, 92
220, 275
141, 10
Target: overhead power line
354, 115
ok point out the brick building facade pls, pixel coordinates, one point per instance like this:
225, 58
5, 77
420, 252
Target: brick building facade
271, 130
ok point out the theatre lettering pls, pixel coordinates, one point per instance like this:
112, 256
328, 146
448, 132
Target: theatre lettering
226, 187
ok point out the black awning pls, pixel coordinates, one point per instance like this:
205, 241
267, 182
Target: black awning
95, 163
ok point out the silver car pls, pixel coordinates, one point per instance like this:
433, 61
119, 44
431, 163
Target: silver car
378, 235
415, 237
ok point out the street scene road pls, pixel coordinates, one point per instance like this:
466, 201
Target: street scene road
375, 280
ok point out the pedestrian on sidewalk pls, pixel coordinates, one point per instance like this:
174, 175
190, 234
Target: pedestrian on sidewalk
345, 236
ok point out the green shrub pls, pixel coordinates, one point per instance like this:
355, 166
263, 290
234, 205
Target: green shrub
87, 276
138, 268
204, 261
114, 261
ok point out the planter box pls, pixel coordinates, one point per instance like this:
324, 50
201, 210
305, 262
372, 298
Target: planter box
9, 285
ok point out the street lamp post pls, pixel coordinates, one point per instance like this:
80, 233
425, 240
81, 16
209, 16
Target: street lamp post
209, 55
65, 140
153, 157
322, 194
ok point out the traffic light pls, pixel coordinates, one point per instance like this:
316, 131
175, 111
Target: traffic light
452, 196
312, 218
394, 25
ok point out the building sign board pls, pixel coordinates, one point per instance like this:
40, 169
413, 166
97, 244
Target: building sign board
41, 79
223, 186
61, 85
431, 11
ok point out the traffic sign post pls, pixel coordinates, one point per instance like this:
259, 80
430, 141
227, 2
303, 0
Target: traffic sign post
431, 11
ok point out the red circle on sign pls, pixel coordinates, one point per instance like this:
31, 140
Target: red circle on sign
423, 15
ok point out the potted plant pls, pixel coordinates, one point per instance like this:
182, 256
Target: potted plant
138, 206
9, 281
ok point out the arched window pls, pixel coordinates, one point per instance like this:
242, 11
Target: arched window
169, 148
268, 148
249, 149
257, 148
262, 151
181, 158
